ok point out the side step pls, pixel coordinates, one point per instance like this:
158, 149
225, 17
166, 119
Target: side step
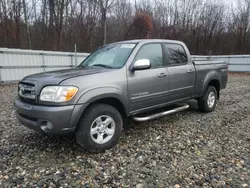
161, 114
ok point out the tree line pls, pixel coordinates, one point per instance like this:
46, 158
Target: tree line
206, 26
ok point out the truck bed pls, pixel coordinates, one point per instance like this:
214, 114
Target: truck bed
206, 69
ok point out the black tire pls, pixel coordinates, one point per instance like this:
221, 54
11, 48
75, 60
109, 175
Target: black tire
203, 101
83, 134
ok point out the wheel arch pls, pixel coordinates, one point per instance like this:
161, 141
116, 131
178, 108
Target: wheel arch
111, 96
216, 84
212, 79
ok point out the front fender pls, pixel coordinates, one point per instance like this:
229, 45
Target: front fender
101, 93
213, 75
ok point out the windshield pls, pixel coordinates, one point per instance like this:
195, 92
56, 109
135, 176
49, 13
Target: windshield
112, 56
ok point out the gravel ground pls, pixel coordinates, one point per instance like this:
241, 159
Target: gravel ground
187, 149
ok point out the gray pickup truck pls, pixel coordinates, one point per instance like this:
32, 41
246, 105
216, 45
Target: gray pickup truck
118, 81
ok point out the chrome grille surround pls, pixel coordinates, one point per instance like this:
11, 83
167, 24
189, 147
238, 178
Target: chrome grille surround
27, 91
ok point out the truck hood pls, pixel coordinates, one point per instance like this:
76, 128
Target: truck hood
56, 77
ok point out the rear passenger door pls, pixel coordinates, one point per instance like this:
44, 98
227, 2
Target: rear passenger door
181, 72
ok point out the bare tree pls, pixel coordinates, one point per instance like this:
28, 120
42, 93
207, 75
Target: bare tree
59, 24
141, 27
242, 25
119, 20
27, 24
105, 5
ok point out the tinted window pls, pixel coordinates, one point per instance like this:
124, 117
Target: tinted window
152, 52
175, 54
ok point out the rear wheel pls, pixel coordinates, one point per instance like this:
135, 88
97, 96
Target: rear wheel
99, 128
208, 102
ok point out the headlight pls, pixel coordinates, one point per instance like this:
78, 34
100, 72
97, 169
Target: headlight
58, 93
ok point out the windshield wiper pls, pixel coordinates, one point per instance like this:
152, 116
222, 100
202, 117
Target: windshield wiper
81, 66
102, 65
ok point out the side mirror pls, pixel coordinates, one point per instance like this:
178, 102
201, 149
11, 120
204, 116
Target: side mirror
142, 64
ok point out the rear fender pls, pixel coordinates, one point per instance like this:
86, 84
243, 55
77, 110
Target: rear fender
213, 75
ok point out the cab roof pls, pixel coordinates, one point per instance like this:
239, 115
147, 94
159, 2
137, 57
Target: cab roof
149, 41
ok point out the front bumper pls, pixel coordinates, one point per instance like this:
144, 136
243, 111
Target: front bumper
48, 119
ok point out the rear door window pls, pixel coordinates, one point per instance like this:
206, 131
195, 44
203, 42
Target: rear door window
175, 54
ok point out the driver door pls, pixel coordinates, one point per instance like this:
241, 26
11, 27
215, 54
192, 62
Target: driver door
148, 88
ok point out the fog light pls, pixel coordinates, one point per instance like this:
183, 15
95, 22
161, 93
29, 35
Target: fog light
49, 125
46, 126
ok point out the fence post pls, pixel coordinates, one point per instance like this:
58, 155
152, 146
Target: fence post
75, 57
0, 75
72, 61
44, 67
1, 70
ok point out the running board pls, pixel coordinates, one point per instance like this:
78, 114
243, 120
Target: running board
161, 114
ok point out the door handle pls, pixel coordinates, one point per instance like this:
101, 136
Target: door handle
190, 71
161, 75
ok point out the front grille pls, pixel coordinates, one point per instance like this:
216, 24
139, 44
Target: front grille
27, 91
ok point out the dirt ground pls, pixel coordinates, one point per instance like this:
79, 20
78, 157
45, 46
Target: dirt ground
186, 149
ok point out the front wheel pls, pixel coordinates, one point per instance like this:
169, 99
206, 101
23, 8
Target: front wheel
207, 103
99, 128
